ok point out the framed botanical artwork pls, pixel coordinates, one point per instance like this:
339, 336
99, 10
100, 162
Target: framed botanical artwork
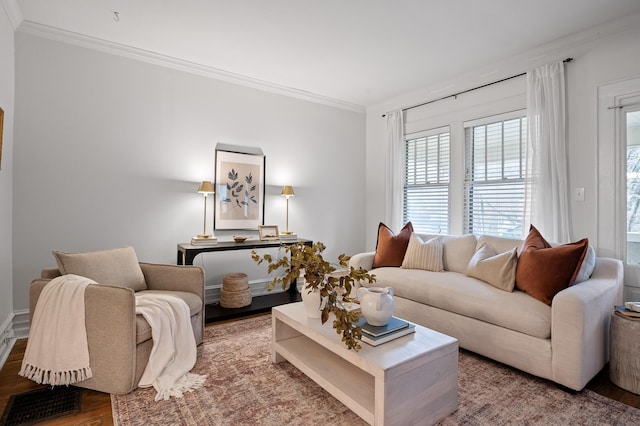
268, 232
239, 197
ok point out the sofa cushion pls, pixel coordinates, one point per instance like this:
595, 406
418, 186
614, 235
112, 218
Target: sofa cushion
118, 267
470, 297
497, 269
422, 254
457, 250
390, 248
143, 329
543, 270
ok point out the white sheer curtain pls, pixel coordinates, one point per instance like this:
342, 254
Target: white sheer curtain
547, 203
394, 176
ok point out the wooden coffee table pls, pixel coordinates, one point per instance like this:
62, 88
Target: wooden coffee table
412, 380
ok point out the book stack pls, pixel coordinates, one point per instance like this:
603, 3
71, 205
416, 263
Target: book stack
627, 313
377, 335
197, 241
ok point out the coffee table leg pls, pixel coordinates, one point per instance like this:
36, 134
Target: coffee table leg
280, 331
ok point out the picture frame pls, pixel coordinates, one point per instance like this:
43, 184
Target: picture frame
268, 232
240, 190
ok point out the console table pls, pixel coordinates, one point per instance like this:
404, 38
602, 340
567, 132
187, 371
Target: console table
214, 312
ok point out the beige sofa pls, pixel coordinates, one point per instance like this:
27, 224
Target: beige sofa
119, 340
566, 342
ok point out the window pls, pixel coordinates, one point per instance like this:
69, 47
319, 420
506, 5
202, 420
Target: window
495, 151
426, 183
632, 131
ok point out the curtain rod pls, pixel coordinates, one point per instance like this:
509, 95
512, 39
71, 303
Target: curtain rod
469, 90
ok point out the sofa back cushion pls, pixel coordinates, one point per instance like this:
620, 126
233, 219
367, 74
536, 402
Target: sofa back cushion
118, 267
457, 250
499, 244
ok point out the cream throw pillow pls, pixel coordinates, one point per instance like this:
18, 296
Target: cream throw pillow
118, 267
423, 255
499, 270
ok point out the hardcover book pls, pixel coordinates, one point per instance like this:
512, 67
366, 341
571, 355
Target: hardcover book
375, 341
394, 324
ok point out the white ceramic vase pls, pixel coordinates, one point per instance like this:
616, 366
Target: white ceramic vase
376, 304
312, 302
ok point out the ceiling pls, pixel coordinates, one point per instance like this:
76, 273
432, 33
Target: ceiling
359, 52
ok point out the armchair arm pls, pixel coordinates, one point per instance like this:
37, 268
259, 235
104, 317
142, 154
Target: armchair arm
174, 277
110, 320
362, 260
580, 318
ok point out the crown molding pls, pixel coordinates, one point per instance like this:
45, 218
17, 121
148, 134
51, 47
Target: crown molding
573, 45
14, 13
118, 49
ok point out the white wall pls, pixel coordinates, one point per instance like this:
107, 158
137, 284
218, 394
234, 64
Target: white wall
605, 54
110, 152
7, 104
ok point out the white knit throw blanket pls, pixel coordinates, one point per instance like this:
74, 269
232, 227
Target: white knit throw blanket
174, 347
57, 352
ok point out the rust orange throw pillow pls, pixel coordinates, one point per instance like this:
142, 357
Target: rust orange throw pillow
543, 271
390, 248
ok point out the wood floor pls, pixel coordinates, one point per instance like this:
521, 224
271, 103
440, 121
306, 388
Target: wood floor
96, 406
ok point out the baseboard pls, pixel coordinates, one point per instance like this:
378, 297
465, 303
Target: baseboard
257, 287
21, 324
7, 339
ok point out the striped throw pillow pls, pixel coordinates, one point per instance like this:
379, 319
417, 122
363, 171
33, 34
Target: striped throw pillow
423, 255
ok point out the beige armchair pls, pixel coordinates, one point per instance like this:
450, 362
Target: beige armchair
119, 340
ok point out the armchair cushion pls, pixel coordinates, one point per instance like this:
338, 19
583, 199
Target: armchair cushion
117, 267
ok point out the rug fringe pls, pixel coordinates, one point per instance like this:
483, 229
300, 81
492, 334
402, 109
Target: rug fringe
188, 383
54, 378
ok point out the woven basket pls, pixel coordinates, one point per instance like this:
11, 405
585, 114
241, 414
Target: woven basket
235, 299
235, 281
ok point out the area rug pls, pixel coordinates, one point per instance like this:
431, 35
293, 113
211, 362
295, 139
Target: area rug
244, 387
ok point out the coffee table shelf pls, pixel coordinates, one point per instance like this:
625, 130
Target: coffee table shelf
410, 380
352, 386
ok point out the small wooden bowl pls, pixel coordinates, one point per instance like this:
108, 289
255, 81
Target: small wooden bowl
239, 239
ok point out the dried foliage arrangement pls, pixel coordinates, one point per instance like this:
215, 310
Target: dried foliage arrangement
317, 274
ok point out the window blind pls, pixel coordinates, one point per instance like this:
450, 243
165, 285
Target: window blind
426, 188
495, 160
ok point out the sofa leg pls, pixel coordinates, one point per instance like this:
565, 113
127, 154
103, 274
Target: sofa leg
566, 389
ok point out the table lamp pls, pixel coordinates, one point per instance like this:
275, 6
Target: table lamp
287, 191
205, 189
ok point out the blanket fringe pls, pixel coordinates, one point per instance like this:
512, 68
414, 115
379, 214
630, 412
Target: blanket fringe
188, 383
55, 378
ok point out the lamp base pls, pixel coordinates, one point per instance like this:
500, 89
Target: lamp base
286, 232
205, 236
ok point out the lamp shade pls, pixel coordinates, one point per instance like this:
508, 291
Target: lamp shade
287, 191
205, 187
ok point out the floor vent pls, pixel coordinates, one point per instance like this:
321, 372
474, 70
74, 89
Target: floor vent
36, 406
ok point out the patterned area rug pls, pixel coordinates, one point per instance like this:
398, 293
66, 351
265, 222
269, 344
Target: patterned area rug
244, 388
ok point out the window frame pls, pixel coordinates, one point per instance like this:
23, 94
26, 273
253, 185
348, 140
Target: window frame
443, 183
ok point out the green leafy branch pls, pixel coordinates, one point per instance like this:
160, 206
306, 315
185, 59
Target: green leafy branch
317, 274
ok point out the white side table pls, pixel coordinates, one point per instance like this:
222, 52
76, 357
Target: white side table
624, 353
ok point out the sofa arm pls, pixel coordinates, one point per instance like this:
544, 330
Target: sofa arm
580, 318
174, 278
362, 260
110, 321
